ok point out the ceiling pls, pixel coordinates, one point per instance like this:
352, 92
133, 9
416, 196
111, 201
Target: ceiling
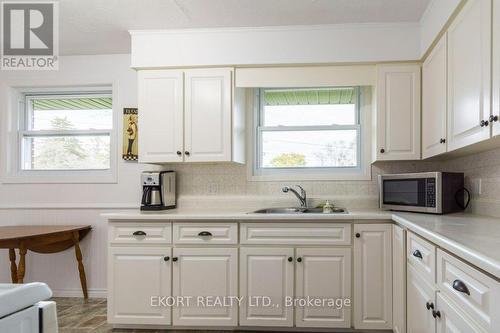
101, 26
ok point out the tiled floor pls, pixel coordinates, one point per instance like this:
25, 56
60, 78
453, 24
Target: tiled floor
76, 315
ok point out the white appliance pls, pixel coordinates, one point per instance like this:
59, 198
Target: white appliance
24, 309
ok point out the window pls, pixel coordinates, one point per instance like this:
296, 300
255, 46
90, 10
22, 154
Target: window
67, 132
61, 135
309, 131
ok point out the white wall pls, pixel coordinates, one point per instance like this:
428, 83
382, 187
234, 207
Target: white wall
71, 203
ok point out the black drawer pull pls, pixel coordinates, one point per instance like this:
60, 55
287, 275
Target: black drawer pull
460, 286
299, 259
429, 305
417, 254
436, 314
290, 259
139, 233
175, 259
167, 258
205, 233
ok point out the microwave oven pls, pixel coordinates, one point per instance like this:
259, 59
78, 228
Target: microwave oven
425, 192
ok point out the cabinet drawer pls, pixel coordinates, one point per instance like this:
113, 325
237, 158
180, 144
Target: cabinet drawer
422, 256
296, 233
205, 233
474, 292
140, 233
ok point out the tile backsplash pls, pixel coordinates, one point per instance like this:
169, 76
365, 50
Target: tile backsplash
226, 184
482, 178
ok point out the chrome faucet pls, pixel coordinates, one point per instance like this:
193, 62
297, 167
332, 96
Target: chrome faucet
302, 196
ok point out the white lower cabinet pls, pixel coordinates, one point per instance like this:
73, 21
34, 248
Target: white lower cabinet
204, 275
323, 275
372, 276
451, 320
266, 272
398, 279
420, 304
135, 275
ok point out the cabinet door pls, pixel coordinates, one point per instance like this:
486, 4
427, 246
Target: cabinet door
469, 73
399, 279
266, 272
496, 69
451, 320
205, 274
208, 115
419, 294
372, 276
323, 274
135, 275
160, 116
434, 90
398, 112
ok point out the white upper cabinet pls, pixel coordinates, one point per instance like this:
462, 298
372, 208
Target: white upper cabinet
208, 115
495, 112
161, 116
469, 74
325, 272
190, 116
372, 304
434, 105
398, 112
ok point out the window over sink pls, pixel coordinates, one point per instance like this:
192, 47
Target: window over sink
310, 133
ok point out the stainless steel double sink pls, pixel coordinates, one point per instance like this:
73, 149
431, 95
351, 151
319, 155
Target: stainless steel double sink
298, 210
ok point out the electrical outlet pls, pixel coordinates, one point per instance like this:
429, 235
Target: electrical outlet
476, 186
213, 188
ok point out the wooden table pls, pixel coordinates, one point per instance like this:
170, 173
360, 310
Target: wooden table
42, 239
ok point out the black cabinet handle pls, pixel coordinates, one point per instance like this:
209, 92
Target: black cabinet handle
187, 153
175, 259
493, 118
179, 153
460, 286
442, 140
429, 305
382, 150
358, 235
417, 254
290, 259
436, 314
299, 259
167, 258
139, 233
484, 123
205, 233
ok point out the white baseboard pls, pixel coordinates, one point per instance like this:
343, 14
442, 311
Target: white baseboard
93, 293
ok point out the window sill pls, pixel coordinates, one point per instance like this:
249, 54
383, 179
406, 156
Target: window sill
61, 177
359, 175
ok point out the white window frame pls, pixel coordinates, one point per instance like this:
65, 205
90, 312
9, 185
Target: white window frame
361, 172
20, 115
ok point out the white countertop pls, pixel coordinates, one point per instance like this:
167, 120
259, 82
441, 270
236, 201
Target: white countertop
238, 215
474, 238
